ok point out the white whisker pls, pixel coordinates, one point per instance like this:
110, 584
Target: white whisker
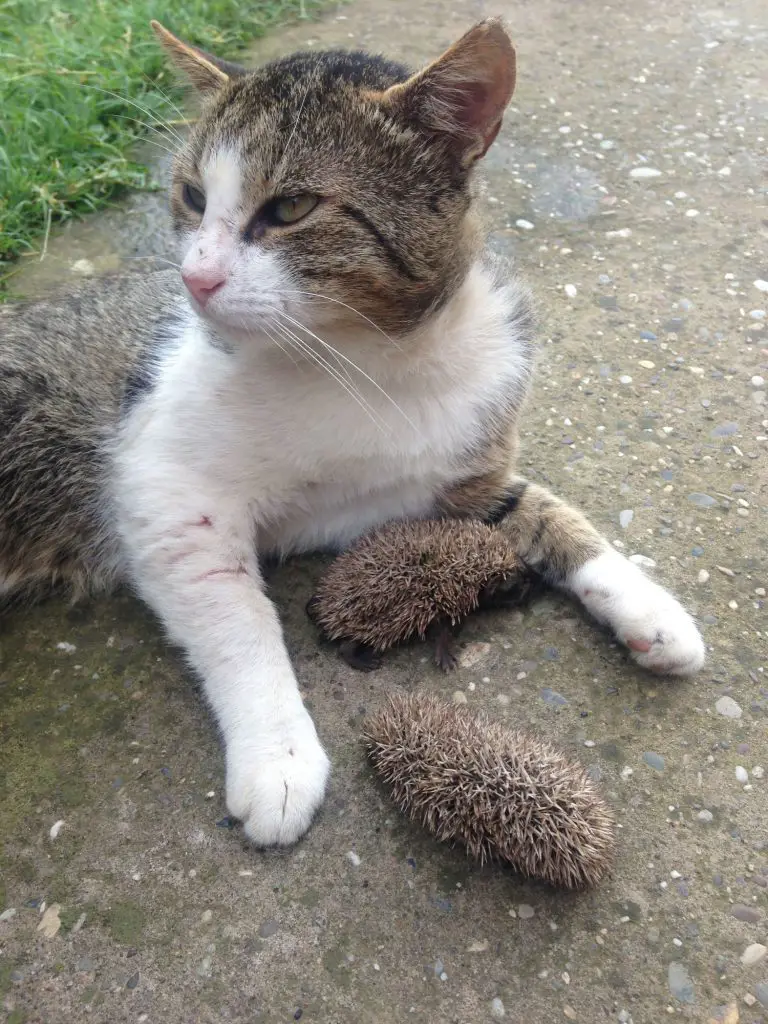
328, 298
138, 106
353, 364
303, 347
286, 352
158, 129
166, 96
151, 256
284, 154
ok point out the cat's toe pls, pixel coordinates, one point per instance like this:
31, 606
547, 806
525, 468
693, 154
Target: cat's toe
275, 786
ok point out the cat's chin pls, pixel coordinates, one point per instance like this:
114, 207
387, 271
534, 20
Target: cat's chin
237, 324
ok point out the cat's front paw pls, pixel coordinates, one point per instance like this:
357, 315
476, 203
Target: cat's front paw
658, 631
276, 780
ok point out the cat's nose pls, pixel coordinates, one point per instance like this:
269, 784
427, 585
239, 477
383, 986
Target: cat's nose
202, 284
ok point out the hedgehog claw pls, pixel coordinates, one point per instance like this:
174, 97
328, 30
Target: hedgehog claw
446, 655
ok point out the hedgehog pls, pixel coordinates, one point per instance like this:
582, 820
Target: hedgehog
502, 795
413, 579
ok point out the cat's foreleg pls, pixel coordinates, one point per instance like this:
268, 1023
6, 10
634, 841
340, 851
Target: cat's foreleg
193, 561
559, 543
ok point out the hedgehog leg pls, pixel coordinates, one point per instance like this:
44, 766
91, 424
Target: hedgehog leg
446, 653
359, 656
311, 608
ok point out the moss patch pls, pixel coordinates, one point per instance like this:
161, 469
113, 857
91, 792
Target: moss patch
125, 922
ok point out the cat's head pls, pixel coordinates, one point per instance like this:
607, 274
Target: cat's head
330, 182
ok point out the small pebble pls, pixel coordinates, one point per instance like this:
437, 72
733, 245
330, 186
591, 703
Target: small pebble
626, 517
525, 911
459, 697
758, 771
691, 213
757, 314
646, 364
570, 291
133, 981
705, 816
643, 560
680, 984
83, 267
625, 378
753, 954
727, 706
55, 829
702, 500
497, 1008
569, 1012
742, 775
655, 761
50, 922
725, 429
553, 697
353, 859
762, 286
757, 381
751, 915
644, 172
473, 653
703, 576
524, 224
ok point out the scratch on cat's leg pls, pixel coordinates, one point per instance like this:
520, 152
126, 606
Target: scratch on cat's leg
239, 570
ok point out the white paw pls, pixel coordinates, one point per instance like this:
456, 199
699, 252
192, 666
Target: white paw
276, 779
658, 631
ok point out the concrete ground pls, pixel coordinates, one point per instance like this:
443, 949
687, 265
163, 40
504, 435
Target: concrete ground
629, 183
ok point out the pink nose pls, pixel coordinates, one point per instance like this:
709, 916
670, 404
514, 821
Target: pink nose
202, 284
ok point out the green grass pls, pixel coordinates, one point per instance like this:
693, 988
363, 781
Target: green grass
77, 79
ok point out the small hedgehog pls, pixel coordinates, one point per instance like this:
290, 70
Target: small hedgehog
501, 794
413, 578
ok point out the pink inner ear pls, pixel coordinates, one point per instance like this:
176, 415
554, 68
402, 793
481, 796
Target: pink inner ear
475, 108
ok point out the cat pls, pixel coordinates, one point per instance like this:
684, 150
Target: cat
344, 352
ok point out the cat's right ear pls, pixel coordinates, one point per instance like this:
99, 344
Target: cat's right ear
206, 72
463, 94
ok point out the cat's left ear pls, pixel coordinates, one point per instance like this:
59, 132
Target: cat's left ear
206, 72
464, 93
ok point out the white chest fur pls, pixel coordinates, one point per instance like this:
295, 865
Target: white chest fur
316, 453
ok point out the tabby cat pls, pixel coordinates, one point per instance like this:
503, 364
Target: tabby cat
345, 352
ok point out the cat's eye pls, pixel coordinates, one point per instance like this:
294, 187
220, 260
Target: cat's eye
290, 209
194, 198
